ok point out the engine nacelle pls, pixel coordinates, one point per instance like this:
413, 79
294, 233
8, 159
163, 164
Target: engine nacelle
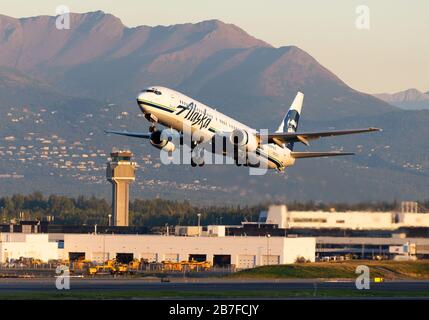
243, 140
162, 140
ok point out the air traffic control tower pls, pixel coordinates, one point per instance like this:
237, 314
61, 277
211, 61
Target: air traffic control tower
120, 172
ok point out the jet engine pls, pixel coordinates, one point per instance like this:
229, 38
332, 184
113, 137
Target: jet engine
163, 140
243, 140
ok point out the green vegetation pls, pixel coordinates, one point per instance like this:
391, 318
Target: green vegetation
92, 210
150, 213
346, 270
305, 293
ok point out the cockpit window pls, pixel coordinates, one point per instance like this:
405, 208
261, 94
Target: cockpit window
157, 92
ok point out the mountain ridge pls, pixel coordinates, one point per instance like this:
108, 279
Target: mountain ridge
407, 99
95, 32
101, 58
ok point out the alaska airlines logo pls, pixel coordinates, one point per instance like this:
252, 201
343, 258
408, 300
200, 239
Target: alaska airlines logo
291, 121
196, 117
290, 124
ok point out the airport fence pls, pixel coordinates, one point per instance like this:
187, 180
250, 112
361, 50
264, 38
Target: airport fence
145, 268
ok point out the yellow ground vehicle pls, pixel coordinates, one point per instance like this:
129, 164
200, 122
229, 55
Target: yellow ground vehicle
92, 270
204, 265
36, 262
101, 269
121, 268
81, 264
186, 265
110, 266
172, 266
107, 267
134, 265
29, 262
196, 265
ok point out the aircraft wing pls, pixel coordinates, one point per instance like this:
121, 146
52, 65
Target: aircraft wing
300, 155
141, 135
304, 137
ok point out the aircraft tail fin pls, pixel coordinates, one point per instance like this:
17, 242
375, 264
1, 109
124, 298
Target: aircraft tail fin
291, 119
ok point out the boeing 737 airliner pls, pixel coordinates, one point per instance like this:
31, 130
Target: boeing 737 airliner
176, 111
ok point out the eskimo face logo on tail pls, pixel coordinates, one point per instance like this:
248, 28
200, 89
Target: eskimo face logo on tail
197, 117
290, 124
291, 121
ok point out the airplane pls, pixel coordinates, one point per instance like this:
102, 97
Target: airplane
175, 110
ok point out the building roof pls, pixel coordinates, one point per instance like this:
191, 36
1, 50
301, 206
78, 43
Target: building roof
121, 154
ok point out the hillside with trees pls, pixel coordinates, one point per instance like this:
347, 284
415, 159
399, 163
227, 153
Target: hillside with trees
84, 210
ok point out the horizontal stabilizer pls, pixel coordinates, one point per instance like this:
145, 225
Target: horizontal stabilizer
299, 155
142, 135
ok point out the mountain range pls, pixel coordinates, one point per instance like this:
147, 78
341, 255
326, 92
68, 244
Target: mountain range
410, 99
60, 89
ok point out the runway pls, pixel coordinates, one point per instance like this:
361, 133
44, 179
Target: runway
88, 285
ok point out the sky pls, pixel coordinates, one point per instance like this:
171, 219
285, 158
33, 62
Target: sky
392, 55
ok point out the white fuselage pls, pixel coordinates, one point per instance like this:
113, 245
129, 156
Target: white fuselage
168, 108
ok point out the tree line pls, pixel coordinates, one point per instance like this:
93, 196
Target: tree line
84, 210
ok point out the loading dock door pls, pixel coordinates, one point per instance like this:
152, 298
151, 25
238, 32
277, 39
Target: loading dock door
246, 261
149, 257
198, 257
270, 260
74, 256
124, 257
173, 257
221, 260
100, 256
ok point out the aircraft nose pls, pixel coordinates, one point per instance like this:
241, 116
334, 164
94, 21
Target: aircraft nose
140, 96
140, 99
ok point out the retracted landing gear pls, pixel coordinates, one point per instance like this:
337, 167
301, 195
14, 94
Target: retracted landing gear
153, 121
196, 159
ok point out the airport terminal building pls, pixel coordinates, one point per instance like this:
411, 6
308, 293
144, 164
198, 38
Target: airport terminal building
279, 237
239, 251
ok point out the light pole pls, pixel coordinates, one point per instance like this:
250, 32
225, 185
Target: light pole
104, 248
260, 255
268, 248
199, 223
110, 220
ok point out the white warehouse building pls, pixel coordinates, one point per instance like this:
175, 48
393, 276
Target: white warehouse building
37, 246
354, 220
243, 252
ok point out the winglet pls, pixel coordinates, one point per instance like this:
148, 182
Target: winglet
375, 129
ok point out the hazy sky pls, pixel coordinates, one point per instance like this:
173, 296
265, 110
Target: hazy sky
392, 55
